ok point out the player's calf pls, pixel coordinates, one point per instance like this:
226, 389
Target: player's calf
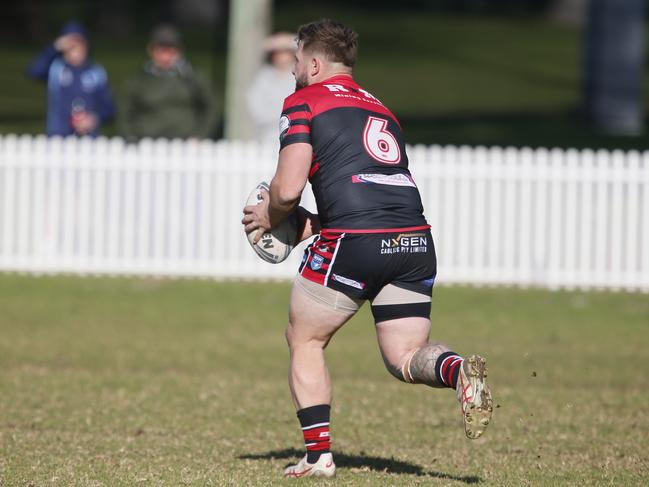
424, 366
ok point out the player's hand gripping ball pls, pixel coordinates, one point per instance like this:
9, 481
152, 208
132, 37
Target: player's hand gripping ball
276, 245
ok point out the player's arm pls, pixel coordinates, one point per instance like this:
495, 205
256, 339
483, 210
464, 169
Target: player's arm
287, 186
285, 192
289, 181
291, 175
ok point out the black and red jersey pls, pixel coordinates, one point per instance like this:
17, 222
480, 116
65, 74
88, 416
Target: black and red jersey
359, 173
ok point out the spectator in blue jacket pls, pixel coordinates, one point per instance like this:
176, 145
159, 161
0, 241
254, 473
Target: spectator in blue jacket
79, 100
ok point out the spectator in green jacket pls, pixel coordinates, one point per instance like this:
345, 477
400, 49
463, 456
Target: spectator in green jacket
167, 98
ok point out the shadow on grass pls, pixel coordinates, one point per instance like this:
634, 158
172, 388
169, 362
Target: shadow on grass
388, 465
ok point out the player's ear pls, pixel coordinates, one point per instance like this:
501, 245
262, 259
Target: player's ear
315, 66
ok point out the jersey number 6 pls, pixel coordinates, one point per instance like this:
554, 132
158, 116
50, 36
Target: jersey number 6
379, 142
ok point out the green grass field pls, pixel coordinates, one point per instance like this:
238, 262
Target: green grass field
128, 382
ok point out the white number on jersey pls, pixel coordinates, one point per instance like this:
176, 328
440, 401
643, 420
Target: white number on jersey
379, 142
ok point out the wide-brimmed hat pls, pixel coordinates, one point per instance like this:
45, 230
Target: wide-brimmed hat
281, 41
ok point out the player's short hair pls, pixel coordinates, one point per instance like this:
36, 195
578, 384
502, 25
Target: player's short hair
336, 41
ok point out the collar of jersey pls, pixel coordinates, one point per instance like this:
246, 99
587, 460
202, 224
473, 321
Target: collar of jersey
346, 77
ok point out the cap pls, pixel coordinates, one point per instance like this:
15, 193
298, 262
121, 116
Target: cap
281, 41
74, 28
165, 35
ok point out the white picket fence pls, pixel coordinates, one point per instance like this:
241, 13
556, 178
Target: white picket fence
524, 217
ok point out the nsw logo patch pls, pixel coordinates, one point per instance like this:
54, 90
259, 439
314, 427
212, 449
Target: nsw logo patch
316, 262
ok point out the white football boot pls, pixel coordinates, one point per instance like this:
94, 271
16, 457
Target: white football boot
324, 467
474, 396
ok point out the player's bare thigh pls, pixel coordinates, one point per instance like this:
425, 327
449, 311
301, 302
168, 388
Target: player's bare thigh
399, 335
316, 311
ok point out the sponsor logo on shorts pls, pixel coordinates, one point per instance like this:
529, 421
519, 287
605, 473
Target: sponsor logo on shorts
385, 179
404, 243
348, 281
316, 262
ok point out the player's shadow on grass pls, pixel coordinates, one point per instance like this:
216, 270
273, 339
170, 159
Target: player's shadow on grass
388, 465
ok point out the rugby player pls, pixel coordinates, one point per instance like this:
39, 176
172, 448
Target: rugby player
372, 241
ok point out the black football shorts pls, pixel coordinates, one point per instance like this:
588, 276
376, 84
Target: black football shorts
395, 270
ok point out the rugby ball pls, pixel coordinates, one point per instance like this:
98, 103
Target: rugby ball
276, 245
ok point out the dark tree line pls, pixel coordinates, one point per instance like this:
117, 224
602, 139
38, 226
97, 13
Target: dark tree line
35, 21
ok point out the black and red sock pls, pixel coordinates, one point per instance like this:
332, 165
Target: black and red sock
314, 421
447, 368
